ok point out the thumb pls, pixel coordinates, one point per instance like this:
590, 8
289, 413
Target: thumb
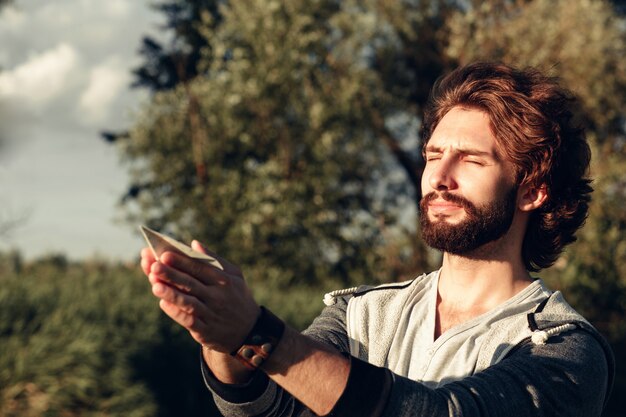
197, 246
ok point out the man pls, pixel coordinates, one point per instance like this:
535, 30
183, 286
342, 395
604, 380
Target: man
505, 189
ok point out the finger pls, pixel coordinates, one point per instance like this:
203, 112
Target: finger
147, 254
189, 321
197, 246
186, 303
153, 279
160, 272
200, 271
228, 267
199, 332
147, 259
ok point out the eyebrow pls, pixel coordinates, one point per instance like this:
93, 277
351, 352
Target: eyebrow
464, 151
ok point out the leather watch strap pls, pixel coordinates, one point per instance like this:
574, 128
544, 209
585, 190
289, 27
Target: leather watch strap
261, 341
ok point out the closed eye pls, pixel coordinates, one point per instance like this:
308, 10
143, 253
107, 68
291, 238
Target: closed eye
432, 156
474, 160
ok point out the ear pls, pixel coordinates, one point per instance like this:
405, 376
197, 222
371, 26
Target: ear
531, 197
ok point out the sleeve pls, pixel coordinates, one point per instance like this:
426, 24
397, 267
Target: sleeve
261, 396
567, 376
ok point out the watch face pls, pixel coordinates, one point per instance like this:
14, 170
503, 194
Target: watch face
160, 243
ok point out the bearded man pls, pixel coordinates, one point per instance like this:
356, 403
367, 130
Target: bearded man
505, 189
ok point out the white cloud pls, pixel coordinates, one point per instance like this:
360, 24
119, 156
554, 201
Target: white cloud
106, 82
60, 64
42, 78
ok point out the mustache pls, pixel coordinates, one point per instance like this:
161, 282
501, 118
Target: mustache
446, 196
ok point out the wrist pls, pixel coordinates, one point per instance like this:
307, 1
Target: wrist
261, 342
234, 391
225, 368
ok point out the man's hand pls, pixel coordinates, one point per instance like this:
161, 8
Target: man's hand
216, 307
218, 310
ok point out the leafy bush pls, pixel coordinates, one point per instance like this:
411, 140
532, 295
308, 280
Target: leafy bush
89, 339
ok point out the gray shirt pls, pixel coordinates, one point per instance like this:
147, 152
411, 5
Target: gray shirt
491, 365
406, 345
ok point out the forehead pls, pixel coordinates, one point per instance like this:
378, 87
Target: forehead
464, 128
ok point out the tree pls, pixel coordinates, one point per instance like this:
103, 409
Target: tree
270, 155
400, 58
166, 66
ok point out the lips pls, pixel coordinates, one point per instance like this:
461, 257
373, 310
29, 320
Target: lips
442, 207
444, 204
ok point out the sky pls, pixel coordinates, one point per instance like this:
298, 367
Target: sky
65, 75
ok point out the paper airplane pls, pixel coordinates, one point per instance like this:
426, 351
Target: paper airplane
160, 243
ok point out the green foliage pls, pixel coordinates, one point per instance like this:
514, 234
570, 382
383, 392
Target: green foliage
89, 340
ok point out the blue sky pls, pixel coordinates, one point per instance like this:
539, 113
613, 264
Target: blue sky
65, 75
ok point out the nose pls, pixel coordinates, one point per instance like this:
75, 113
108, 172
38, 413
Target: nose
441, 176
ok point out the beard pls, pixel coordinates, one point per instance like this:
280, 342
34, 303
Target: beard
484, 224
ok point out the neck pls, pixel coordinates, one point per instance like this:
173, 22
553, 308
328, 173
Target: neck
483, 279
468, 288
470, 284
474, 283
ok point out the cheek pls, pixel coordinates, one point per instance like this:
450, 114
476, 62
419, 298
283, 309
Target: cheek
482, 188
424, 182
504, 190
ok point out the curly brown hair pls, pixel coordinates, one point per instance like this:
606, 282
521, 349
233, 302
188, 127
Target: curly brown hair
531, 116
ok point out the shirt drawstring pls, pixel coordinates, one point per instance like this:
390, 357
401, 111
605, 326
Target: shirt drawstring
540, 337
331, 297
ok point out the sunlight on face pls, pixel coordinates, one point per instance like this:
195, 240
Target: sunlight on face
469, 195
